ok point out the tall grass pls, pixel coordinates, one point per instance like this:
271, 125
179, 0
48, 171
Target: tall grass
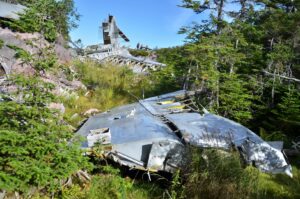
110, 185
279, 186
216, 174
108, 86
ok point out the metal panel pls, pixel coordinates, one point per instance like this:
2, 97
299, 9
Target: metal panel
150, 132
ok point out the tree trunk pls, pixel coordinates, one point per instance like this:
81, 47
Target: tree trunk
220, 6
273, 88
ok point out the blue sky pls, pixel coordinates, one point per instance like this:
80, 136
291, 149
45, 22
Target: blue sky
151, 22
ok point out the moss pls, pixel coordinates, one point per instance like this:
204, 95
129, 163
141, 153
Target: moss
1, 43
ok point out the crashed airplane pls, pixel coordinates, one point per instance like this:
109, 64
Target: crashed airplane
111, 50
153, 135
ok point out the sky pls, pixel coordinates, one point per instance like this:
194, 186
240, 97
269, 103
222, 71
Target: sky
150, 22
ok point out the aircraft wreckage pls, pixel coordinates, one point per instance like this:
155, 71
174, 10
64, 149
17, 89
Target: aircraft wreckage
153, 135
111, 50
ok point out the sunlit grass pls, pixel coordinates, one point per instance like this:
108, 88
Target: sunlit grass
280, 185
108, 86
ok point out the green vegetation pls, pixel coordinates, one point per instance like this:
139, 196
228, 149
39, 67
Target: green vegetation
110, 185
38, 149
48, 17
34, 141
108, 86
139, 53
279, 186
219, 174
246, 69
1, 43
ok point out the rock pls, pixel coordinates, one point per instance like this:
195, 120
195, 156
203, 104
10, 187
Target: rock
91, 111
58, 106
9, 64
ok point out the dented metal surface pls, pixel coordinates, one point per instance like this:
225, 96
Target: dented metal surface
153, 135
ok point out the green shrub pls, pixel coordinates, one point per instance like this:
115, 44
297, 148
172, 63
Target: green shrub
108, 184
43, 60
108, 86
279, 186
48, 17
35, 142
21, 53
139, 53
73, 192
1, 43
217, 174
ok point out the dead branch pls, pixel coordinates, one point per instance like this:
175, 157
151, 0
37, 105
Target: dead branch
281, 76
83, 176
68, 183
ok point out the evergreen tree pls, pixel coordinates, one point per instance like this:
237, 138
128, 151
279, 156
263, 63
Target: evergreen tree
35, 142
49, 17
254, 56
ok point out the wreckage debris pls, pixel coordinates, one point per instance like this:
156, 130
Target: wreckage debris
112, 52
153, 135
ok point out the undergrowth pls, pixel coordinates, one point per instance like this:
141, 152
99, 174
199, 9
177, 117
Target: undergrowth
217, 174
110, 185
210, 174
108, 86
280, 185
1, 43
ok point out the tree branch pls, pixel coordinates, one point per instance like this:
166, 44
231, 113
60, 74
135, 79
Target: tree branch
281, 76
